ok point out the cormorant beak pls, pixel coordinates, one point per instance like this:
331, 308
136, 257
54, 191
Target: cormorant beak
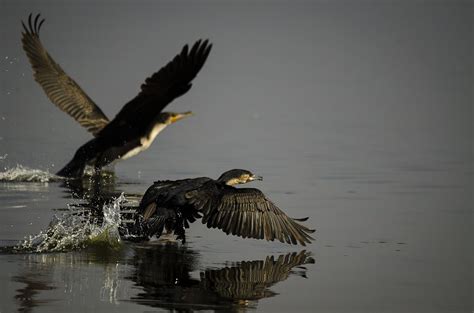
180, 116
255, 177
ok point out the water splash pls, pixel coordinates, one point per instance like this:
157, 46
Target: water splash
78, 229
22, 173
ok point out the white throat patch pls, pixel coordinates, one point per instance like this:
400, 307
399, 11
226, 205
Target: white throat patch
145, 142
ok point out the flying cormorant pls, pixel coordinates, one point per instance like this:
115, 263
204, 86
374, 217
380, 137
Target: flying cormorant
140, 120
245, 212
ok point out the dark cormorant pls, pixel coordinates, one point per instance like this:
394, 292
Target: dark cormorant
245, 212
136, 125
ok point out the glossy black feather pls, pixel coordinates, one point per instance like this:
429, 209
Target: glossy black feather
170, 82
244, 212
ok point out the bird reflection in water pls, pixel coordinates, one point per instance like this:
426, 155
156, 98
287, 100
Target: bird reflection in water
26, 296
168, 276
165, 274
92, 192
50, 278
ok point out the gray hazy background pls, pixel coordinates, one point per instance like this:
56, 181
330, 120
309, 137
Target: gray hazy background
396, 75
358, 114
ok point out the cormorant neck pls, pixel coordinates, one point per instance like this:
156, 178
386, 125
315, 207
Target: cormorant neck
227, 181
232, 182
154, 130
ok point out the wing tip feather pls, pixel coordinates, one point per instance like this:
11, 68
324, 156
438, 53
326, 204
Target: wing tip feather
34, 26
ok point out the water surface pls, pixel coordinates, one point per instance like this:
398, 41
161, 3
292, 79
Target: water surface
357, 115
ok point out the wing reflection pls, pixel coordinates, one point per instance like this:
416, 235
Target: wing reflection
251, 280
165, 274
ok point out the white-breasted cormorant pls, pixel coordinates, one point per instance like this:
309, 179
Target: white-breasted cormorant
245, 212
140, 120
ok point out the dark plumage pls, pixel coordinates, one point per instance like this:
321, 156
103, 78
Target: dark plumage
244, 212
136, 125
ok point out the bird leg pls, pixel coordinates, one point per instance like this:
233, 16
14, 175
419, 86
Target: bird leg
179, 228
181, 234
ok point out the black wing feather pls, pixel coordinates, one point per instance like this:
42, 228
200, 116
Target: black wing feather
61, 89
170, 82
246, 212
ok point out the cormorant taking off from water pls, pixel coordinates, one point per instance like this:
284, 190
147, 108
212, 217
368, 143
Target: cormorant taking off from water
245, 212
136, 125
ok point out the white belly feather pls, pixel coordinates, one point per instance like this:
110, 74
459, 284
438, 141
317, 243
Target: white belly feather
145, 142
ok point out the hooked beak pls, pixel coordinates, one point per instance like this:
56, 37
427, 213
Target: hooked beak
255, 177
180, 116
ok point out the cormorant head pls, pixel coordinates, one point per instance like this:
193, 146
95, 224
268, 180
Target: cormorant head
172, 117
237, 176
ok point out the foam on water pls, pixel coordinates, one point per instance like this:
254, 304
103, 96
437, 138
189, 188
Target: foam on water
22, 173
78, 229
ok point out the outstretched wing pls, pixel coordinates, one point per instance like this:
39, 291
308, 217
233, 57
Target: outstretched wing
246, 212
62, 90
170, 82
